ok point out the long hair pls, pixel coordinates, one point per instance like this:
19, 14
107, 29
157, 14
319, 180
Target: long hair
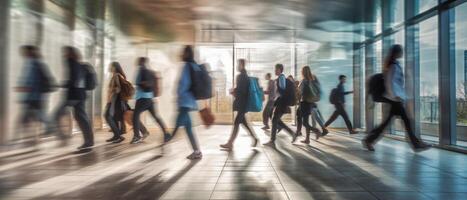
394, 51
306, 71
118, 68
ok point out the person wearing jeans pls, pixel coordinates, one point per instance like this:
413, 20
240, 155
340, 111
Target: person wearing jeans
144, 95
186, 102
241, 94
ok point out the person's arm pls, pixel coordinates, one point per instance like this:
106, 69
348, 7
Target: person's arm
185, 80
118, 87
388, 81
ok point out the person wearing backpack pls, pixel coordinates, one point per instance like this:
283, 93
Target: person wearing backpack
286, 97
35, 82
119, 91
394, 95
240, 104
309, 94
339, 103
145, 83
267, 111
186, 100
80, 79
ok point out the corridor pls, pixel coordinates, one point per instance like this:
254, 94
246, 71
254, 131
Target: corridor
334, 167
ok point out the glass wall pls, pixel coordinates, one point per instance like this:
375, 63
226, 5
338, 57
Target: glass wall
424, 5
460, 48
429, 98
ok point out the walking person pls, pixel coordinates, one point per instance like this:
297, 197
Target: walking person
34, 83
286, 98
76, 95
186, 101
394, 95
241, 94
117, 102
270, 91
338, 99
145, 83
309, 94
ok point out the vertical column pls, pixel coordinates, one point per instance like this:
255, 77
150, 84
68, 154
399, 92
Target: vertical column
447, 74
412, 67
4, 23
357, 80
99, 37
370, 62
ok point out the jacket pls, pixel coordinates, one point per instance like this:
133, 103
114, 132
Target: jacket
185, 98
241, 92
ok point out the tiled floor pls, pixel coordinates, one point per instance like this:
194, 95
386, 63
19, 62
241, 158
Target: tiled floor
335, 167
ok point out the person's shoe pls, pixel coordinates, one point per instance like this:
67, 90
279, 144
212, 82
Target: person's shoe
325, 132
85, 146
167, 137
145, 135
421, 147
367, 145
294, 137
195, 155
305, 141
136, 140
120, 139
270, 143
226, 146
317, 135
255, 142
265, 128
112, 139
353, 132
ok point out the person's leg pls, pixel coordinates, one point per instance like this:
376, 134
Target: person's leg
341, 109
299, 118
376, 133
400, 110
158, 119
266, 115
275, 123
250, 130
83, 122
236, 126
186, 120
139, 108
333, 117
308, 127
112, 123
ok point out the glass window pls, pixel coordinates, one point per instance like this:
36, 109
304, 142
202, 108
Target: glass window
460, 46
429, 97
397, 12
378, 69
424, 5
378, 17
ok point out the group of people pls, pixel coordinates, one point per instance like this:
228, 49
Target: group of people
283, 93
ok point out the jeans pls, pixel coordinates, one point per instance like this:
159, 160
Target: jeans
278, 123
303, 117
240, 119
340, 110
80, 116
183, 119
141, 106
112, 122
396, 109
267, 112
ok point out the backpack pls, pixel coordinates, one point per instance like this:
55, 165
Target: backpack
255, 96
201, 82
127, 90
333, 96
90, 77
289, 95
311, 92
376, 87
46, 80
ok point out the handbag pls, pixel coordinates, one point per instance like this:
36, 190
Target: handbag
207, 117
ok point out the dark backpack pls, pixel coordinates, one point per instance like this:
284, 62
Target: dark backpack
311, 91
289, 94
333, 96
376, 87
201, 82
90, 77
127, 90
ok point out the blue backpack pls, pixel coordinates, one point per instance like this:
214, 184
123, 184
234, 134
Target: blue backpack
255, 96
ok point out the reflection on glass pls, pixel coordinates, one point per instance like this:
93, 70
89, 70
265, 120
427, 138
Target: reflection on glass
429, 97
378, 69
460, 46
398, 12
424, 5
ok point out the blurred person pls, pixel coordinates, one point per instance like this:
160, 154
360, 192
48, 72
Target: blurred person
35, 82
394, 95
117, 105
145, 83
240, 104
75, 98
186, 101
270, 91
309, 94
338, 100
285, 98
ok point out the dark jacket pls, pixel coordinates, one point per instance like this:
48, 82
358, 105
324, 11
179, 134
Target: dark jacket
241, 92
341, 93
76, 82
